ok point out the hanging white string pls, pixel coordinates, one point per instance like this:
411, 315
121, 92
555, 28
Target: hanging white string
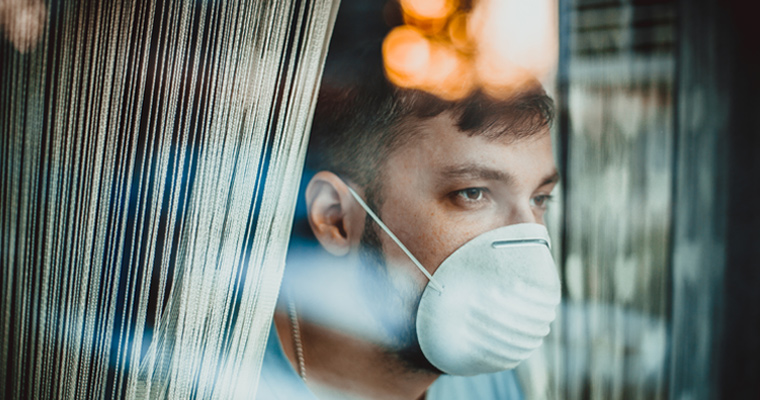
150, 153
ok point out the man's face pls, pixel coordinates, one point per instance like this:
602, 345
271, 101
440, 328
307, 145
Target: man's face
443, 188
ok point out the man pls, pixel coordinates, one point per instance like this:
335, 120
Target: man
438, 176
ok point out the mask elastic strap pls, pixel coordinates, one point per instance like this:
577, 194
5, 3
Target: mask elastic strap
435, 285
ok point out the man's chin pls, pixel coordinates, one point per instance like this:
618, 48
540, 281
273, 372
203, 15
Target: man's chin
403, 344
396, 319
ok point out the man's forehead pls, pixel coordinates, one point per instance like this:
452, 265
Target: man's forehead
438, 147
504, 130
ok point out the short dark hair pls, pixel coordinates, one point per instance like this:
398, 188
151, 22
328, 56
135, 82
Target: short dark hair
361, 118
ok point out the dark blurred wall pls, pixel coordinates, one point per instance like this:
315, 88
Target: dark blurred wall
739, 375
715, 204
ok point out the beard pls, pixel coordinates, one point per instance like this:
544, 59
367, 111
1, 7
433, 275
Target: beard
394, 308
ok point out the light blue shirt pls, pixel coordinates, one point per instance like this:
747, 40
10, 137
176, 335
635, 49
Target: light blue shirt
280, 381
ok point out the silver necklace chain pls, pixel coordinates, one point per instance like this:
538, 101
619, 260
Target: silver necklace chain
297, 339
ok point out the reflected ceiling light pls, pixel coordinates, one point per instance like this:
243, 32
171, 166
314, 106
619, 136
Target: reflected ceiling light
23, 23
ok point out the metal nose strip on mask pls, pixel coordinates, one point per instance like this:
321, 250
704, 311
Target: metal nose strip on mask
435, 285
520, 242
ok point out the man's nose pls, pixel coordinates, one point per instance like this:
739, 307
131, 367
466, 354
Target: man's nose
520, 215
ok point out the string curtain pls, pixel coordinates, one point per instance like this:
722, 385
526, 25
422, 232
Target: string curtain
151, 154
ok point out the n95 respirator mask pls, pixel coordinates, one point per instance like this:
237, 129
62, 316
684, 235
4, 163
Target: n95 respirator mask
489, 305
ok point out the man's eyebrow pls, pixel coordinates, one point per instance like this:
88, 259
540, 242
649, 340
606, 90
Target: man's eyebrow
551, 178
475, 171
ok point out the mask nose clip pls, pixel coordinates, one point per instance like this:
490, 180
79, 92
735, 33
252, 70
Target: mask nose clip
520, 242
433, 283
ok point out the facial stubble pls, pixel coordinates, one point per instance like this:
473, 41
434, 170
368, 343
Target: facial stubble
385, 300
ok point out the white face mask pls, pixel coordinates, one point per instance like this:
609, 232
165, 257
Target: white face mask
488, 306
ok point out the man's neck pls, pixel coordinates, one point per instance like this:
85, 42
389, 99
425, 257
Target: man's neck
351, 365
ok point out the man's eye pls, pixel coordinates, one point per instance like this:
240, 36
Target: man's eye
541, 201
471, 194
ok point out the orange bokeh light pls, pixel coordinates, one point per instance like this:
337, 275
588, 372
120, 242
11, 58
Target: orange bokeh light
500, 78
406, 54
428, 26
516, 42
449, 74
498, 46
414, 61
429, 9
457, 30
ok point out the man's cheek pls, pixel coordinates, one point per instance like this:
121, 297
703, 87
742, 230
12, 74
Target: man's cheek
444, 240
407, 282
402, 272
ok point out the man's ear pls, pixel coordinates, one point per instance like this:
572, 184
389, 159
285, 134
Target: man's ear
334, 216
